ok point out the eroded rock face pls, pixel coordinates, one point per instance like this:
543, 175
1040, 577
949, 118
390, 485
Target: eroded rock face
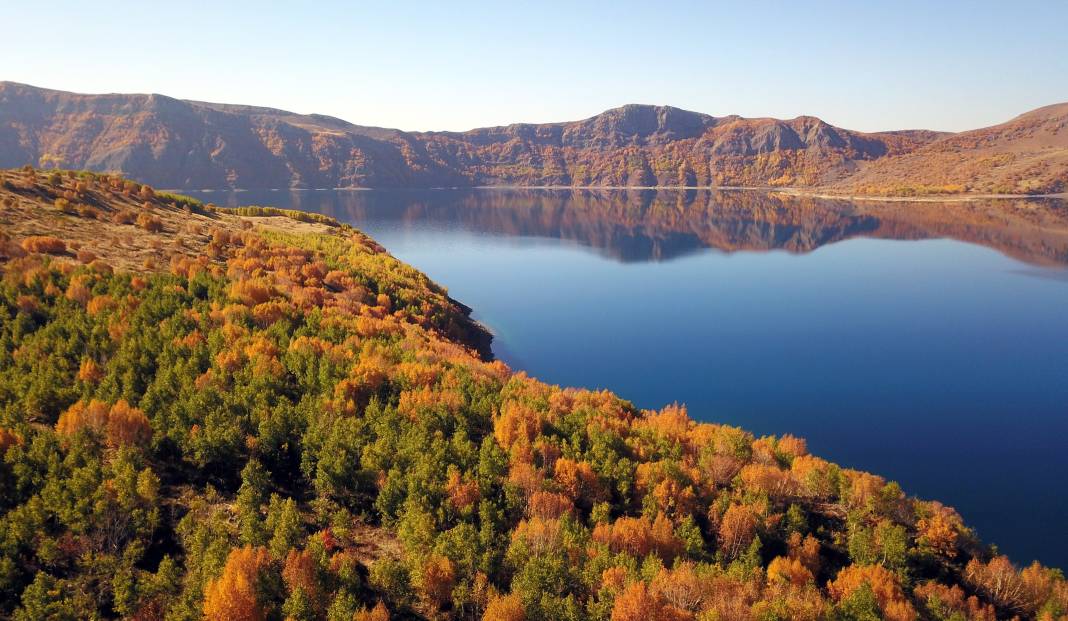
186, 144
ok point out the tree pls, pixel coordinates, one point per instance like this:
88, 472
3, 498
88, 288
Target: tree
736, 530
119, 424
250, 497
999, 580
378, 613
790, 571
577, 481
638, 537
505, 608
234, 596
938, 534
950, 602
883, 585
436, 580
127, 425
300, 573
284, 523
90, 372
681, 587
638, 603
806, 550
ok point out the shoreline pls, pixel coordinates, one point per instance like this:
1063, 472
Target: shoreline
798, 192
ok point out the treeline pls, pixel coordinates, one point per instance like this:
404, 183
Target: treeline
293, 426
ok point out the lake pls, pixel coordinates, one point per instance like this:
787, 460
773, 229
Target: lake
926, 342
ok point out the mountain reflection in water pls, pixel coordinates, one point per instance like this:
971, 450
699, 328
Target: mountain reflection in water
659, 225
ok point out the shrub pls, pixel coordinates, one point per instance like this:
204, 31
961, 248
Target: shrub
152, 224
124, 217
44, 244
87, 211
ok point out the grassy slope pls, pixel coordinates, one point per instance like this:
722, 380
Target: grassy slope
1027, 155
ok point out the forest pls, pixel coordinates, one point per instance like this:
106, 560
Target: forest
253, 415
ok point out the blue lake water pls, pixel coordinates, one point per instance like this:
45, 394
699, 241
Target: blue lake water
926, 342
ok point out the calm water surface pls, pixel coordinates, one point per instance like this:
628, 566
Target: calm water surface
924, 342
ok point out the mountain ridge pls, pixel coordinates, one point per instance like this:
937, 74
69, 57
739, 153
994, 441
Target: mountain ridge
188, 144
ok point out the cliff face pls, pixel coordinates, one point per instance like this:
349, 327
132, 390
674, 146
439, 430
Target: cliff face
186, 144
195, 145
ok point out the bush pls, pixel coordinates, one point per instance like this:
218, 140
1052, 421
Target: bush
124, 217
87, 211
44, 244
152, 224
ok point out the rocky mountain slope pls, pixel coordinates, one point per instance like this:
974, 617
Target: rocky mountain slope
186, 144
196, 145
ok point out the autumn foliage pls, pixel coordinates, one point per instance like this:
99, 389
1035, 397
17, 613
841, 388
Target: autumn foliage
505, 608
639, 537
638, 603
892, 601
233, 596
119, 424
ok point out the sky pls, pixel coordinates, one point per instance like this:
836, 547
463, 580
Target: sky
456, 65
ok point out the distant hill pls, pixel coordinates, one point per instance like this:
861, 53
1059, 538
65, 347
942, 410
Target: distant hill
1028, 154
189, 145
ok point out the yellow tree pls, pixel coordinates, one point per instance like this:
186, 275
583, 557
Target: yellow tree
232, 596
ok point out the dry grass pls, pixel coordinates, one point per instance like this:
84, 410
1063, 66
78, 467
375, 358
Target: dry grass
1027, 155
90, 219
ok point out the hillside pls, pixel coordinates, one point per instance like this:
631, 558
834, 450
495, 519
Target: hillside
194, 145
1026, 155
249, 415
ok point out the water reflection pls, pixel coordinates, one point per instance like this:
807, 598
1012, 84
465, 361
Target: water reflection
650, 225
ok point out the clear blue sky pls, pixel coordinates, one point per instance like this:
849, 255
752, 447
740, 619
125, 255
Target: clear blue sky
455, 65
